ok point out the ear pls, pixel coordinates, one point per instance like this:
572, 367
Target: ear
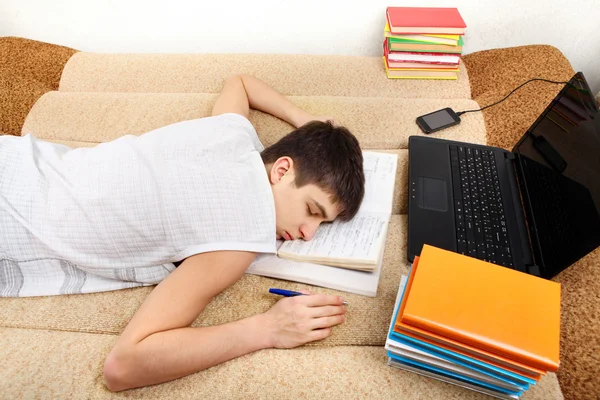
279, 169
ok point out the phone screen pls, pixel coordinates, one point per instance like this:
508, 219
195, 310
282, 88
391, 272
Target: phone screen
438, 119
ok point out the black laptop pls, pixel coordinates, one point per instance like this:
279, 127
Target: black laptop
535, 209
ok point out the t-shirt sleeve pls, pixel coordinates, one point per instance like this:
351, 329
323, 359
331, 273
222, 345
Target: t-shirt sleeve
247, 126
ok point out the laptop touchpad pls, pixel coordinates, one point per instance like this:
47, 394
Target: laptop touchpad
432, 194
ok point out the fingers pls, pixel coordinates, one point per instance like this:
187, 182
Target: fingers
326, 311
327, 322
318, 300
319, 334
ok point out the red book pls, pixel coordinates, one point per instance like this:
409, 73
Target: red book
441, 60
432, 20
401, 65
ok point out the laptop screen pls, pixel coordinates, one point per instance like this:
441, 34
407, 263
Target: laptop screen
558, 167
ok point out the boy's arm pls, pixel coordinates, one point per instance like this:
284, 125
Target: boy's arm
242, 92
158, 344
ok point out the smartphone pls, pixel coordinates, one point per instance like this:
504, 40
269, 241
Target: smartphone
438, 120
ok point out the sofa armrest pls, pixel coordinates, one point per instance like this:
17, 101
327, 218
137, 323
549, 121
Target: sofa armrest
494, 73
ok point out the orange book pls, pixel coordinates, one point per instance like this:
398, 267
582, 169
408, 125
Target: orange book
456, 347
489, 307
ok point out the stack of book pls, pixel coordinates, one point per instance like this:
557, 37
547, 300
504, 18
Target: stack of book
475, 324
423, 42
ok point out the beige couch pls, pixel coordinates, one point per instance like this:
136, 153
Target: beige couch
54, 347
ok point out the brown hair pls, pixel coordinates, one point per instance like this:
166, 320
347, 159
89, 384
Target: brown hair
327, 156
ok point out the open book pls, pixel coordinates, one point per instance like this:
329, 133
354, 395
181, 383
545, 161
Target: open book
356, 245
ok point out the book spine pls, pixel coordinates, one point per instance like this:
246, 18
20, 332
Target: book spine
454, 347
464, 377
443, 78
394, 39
423, 53
426, 41
462, 337
398, 47
391, 60
387, 52
396, 31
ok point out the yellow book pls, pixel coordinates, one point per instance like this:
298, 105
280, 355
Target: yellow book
426, 38
414, 73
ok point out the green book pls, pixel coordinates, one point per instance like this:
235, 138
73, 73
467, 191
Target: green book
395, 44
397, 40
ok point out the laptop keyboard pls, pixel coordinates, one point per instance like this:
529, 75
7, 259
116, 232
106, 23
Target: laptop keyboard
480, 221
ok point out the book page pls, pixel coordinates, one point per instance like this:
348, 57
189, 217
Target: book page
359, 239
347, 280
380, 178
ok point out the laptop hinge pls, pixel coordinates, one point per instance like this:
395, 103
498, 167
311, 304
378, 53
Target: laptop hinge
525, 240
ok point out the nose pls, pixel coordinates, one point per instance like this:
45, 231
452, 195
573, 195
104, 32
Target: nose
308, 229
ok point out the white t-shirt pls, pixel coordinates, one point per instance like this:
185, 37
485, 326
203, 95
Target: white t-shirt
119, 214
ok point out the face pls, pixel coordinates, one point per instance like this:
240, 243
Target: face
299, 211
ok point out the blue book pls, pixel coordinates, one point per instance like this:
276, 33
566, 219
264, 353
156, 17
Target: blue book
399, 349
460, 359
510, 379
453, 375
457, 382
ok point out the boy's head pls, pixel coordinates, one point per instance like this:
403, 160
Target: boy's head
316, 173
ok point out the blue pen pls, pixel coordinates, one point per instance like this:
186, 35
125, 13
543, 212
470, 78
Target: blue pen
290, 293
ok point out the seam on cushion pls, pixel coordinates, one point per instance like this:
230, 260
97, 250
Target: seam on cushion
62, 73
90, 331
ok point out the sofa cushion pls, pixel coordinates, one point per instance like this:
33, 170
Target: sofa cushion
378, 123
290, 74
339, 372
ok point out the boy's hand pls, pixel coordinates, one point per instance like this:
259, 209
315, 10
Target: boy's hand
294, 321
242, 92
